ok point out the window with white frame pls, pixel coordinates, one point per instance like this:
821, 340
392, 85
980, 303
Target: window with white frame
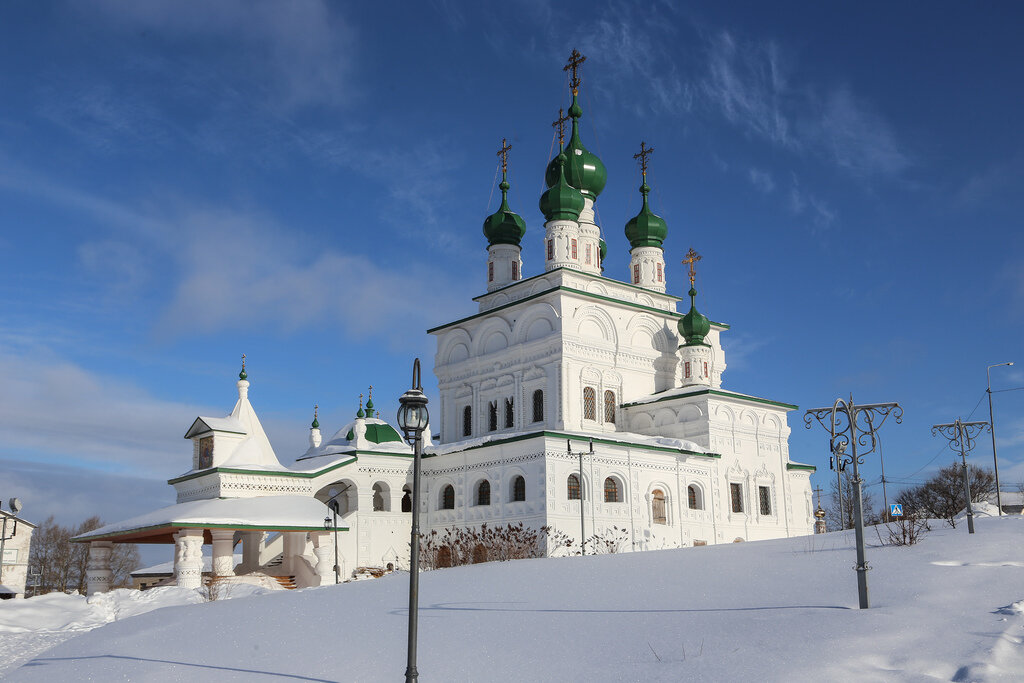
589, 403
764, 497
736, 496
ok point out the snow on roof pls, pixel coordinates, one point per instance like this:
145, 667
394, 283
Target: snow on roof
625, 437
215, 424
7, 590
681, 392
340, 443
263, 512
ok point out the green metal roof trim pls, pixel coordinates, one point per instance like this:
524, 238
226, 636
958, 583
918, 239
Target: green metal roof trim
590, 275
129, 532
715, 392
262, 473
576, 437
580, 292
800, 466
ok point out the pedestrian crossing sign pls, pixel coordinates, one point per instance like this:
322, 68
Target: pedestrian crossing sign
895, 510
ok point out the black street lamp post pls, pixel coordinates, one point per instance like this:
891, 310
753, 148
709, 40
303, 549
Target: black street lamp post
850, 425
961, 437
413, 419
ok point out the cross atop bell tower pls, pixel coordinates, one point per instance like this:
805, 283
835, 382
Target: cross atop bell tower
642, 156
559, 125
503, 153
690, 261
575, 60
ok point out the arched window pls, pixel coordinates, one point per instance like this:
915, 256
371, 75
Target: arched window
609, 407
658, 512
448, 497
483, 493
518, 489
538, 405
694, 499
573, 485
509, 412
407, 500
589, 403
381, 497
611, 491
467, 421
492, 416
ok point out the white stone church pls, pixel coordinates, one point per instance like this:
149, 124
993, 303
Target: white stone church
564, 358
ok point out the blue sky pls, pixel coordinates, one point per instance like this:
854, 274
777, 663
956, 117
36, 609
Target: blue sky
304, 182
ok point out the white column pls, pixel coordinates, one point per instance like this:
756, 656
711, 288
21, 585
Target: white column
98, 573
647, 268
504, 265
294, 546
323, 548
188, 558
561, 234
252, 546
223, 552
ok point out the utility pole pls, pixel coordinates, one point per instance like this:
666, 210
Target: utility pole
961, 437
583, 514
849, 424
992, 428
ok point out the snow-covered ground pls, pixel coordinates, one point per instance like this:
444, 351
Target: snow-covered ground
950, 608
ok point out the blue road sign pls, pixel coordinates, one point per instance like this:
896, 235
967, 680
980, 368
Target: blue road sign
895, 510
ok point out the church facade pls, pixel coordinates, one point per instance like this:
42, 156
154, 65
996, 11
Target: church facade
568, 400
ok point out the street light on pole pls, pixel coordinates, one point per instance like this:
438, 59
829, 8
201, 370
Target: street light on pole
413, 419
849, 425
15, 508
992, 428
961, 436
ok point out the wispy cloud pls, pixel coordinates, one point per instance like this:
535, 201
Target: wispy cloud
753, 84
302, 49
803, 203
762, 180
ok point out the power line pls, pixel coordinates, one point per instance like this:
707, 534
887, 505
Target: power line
943, 448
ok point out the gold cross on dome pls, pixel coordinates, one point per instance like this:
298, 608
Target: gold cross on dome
315, 409
642, 156
691, 259
503, 153
560, 125
243, 362
818, 491
575, 60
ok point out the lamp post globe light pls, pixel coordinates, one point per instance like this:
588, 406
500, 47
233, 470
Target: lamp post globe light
413, 418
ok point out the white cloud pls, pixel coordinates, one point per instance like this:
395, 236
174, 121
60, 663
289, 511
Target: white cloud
762, 180
62, 412
303, 48
755, 88
803, 203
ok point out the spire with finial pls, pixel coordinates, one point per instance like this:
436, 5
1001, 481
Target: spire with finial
242, 374
646, 229
583, 170
693, 326
369, 403
360, 414
561, 201
314, 429
504, 226
559, 125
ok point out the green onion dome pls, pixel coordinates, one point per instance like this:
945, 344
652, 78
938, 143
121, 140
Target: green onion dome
693, 326
584, 170
646, 229
561, 201
504, 226
602, 247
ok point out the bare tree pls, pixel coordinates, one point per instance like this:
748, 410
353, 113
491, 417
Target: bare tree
832, 517
62, 565
942, 496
